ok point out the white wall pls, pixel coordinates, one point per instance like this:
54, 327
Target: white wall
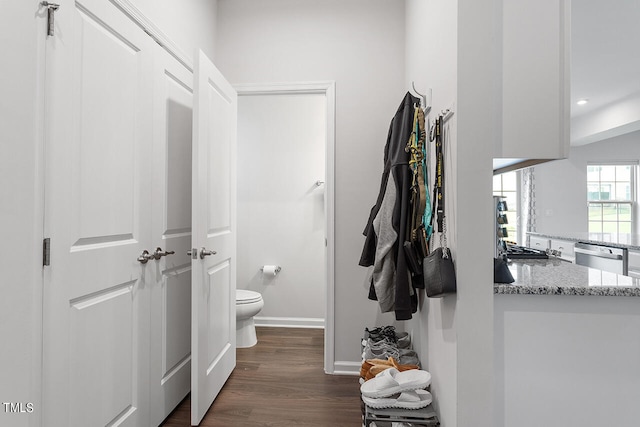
22, 35
360, 45
281, 220
561, 186
479, 65
435, 329
567, 361
451, 48
190, 24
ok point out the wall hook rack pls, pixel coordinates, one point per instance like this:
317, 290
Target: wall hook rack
446, 114
425, 105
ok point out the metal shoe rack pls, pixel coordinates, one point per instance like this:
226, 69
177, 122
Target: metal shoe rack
424, 417
415, 417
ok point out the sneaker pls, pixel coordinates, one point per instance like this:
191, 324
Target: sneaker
408, 357
371, 333
403, 340
389, 332
380, 352
380, 333
385, 341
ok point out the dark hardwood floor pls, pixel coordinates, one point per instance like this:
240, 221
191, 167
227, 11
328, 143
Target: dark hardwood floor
280, 382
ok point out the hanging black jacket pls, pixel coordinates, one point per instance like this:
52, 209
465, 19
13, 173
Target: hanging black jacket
388, 221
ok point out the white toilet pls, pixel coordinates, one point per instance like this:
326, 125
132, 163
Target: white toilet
248, 304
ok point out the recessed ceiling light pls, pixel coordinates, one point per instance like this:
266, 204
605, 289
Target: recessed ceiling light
582, 101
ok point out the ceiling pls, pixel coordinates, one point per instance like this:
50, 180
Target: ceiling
605, 52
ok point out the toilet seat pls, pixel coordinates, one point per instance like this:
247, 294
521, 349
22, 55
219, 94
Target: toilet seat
244, 296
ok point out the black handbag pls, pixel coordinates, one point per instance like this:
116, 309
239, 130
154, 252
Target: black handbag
501, 273
439, 273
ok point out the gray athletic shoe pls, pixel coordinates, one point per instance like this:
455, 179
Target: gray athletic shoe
408, 357
403, 339
381, 350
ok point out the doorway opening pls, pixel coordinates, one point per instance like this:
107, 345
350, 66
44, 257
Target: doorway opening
286, 145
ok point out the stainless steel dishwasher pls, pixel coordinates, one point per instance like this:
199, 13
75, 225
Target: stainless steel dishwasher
607, 258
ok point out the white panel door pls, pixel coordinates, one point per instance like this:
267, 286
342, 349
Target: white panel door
213, 337
98, 128
170, 289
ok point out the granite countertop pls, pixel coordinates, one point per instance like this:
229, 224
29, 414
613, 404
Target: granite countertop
557, 277
622, 240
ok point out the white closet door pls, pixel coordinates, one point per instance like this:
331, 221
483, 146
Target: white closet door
98, 129
214, 236
170, 289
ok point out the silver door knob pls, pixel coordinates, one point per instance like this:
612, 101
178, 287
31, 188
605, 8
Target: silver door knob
204, 252
159, 253
145, 257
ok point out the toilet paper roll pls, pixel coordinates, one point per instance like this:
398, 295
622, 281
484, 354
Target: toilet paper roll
270, 270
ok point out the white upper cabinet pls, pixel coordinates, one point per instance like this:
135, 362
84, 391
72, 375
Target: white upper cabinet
535, 79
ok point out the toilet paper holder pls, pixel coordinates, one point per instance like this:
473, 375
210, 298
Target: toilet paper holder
277, 269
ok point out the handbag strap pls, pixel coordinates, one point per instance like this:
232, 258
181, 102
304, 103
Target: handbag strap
415, 148
439, 175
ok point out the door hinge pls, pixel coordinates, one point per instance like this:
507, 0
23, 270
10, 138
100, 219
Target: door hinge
51, 10
46, 252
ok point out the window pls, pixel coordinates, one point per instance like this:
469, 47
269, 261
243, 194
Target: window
506, 185
610, 195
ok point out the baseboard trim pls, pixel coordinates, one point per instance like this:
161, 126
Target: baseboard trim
346, 368
290, 322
